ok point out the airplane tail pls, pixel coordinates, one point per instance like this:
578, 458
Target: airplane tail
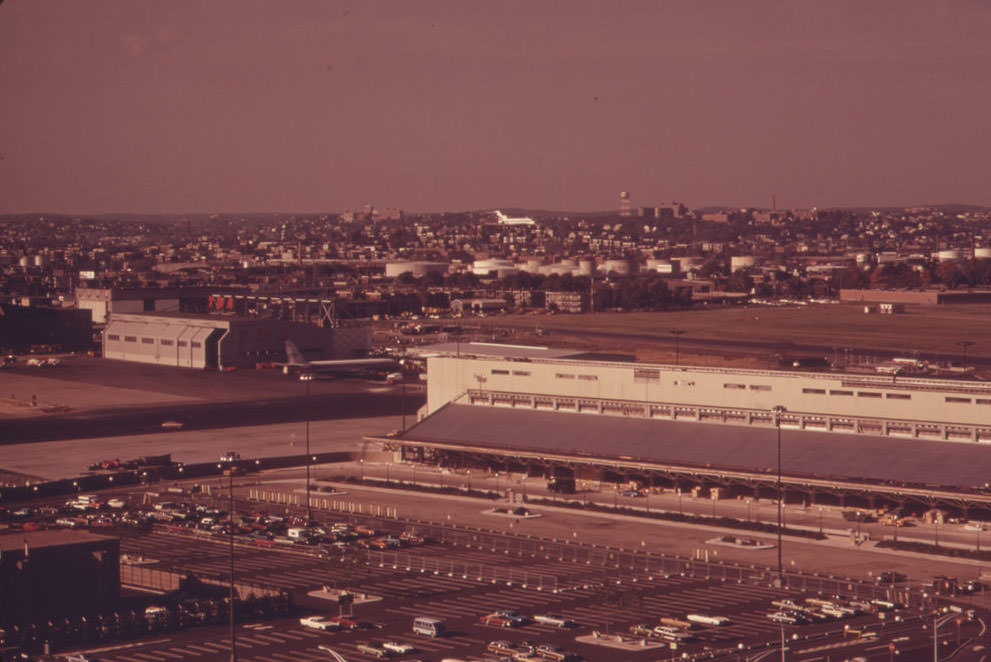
293, 355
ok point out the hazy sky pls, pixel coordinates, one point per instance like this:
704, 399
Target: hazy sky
291, 105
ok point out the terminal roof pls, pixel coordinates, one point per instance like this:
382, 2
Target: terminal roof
826, 455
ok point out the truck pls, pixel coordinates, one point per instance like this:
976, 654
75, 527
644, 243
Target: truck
672, 622
705, 619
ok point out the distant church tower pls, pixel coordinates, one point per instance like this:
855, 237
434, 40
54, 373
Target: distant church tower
625, 206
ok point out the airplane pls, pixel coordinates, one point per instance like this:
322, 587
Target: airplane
296, 360
513, 220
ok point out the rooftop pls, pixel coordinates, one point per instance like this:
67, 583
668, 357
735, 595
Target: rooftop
828, 455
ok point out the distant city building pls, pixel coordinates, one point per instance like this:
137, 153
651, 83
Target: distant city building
625, 205
568, 302
477, 306
103, 301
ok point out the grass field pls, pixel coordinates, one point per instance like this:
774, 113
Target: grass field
936, 329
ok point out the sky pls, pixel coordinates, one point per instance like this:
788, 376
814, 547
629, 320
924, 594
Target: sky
321, 106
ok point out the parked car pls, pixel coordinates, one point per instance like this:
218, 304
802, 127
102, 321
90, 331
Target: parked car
319, 623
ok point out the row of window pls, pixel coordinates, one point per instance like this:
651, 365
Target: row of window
859, 394
567, 375
743, 387
151, 341
650, 374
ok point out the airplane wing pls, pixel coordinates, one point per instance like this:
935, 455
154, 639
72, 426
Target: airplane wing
296, 359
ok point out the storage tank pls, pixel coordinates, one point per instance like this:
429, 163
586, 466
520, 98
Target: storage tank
691, 262
417, 268
738, 262
533, 265
617, 265
501, 268
659, 265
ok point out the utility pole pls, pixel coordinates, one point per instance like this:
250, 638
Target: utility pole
307, 378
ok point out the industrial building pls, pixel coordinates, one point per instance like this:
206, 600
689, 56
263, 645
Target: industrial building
57, 573
105, 301
224, 342
23, 328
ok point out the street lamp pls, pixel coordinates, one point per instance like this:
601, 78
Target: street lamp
677, 333
402, 378
778, 410
229, 468
306, 379
964, 344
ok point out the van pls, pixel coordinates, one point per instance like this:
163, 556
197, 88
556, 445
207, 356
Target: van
428, 627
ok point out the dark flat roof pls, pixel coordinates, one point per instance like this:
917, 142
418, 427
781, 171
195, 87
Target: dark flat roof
47, 538
830, 455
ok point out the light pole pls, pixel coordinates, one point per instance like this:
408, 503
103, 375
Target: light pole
307, 378
230, 520
964, 344
778, 410
677, 333
402, 378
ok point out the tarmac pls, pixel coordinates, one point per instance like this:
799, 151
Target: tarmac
56, 422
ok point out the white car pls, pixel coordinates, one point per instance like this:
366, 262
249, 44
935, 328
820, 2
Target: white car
398, 647
116, 503
319, 623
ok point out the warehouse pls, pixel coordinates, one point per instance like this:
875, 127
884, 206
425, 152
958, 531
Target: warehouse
224, 342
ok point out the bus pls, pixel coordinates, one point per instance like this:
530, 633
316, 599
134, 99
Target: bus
428, 627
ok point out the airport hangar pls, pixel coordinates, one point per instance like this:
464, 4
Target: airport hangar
224, 342
859, 440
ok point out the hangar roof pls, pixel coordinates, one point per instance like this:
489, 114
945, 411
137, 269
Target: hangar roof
830, 455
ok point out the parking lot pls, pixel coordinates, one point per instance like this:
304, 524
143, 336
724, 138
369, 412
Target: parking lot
621, 601
470, 575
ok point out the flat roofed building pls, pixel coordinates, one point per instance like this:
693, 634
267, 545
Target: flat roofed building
57, 573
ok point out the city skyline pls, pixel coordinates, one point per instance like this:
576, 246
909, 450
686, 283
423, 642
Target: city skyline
119, 107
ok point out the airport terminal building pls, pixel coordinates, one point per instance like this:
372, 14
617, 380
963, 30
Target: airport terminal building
552, 411
224, 342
